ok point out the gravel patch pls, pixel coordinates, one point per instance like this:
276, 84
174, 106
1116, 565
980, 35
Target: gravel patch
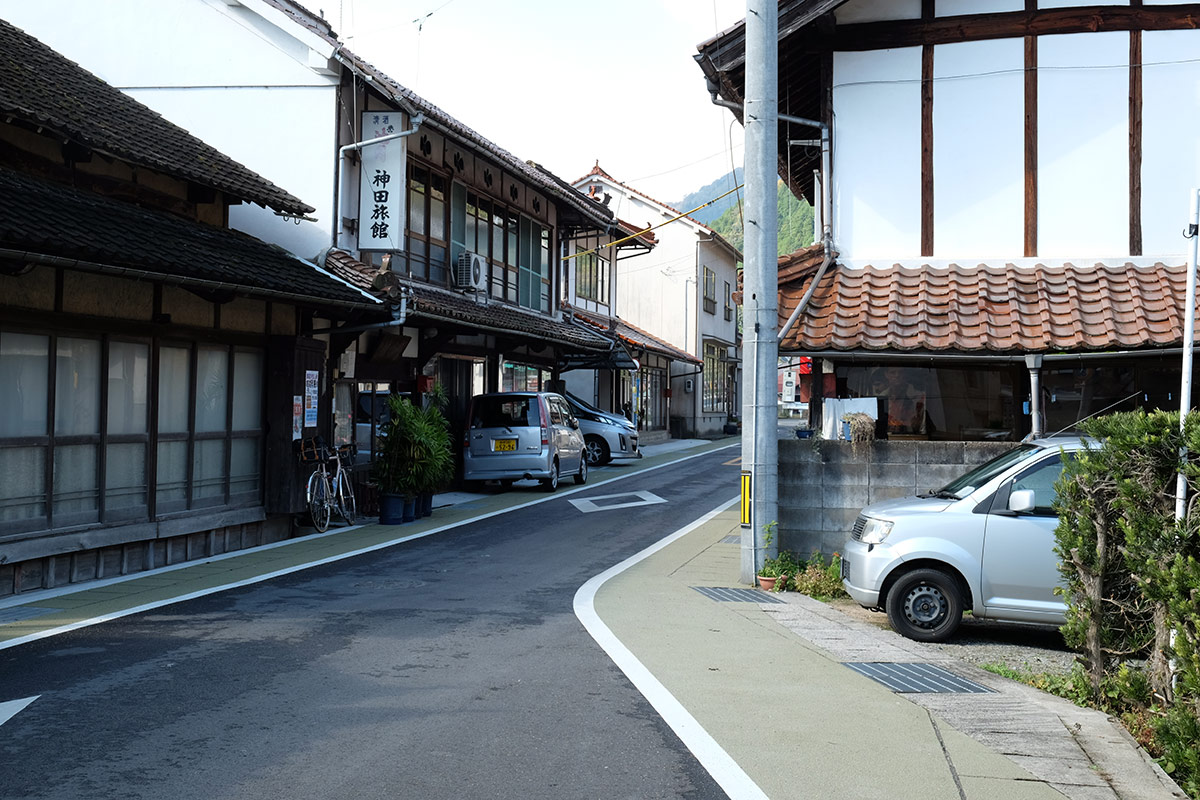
1029, 648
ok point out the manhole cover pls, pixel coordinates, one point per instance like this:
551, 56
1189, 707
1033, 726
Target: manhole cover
726, 595
917, 678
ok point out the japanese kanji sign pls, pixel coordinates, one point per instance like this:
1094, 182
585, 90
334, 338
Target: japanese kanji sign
382, 180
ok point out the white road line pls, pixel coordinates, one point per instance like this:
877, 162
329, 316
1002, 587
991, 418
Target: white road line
300, 567
589, 505
13, 707
724, 770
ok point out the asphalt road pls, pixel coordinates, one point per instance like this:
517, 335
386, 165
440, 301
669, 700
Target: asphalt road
450, 666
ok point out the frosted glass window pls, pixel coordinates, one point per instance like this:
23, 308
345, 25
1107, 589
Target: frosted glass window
174, 384
24, 385
212, 387
244, 467
23, 490
247, 391
77, 387
208, 469
125, 476
75, 485
172, 474
128, 379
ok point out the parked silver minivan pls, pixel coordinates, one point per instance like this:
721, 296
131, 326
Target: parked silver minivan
983, 542
523, 435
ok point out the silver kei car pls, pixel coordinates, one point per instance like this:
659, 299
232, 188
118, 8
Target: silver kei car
984, 542
523, 435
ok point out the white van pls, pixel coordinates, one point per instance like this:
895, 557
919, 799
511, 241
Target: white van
983, 542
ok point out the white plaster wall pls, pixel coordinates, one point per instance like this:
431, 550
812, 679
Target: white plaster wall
877, 153
656, 291
1083, 145
979, 149
285, 134
955, 8
1170, 137
256, 99
876, 10
179, 43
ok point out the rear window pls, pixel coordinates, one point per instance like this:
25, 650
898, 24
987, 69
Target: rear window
506, 412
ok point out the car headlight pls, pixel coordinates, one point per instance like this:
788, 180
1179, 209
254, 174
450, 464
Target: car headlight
876, 530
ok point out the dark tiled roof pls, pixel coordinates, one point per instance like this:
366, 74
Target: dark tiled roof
989, 308
41, 87
635, 337
50, 220
439, 304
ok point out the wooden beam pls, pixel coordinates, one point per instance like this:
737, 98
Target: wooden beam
1135, 143
1031, 146
1005, 25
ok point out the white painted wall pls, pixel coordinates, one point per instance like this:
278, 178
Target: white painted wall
1170, 137
239, 83
1083, 145
877, 153
955, 8
979, 149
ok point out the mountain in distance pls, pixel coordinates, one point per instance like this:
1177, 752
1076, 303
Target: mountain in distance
795, 222
715, 189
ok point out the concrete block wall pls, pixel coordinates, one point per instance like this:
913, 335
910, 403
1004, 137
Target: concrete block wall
823, 485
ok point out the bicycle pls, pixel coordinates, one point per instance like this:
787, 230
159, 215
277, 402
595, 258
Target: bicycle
327, 493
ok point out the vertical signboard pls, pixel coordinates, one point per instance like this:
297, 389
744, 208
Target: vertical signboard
746, 498
312, 380
382, 179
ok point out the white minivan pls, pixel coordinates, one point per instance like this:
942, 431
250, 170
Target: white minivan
984, 542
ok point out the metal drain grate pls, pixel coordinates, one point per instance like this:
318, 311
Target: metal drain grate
18, 613
733, 538
917, 678
725, 595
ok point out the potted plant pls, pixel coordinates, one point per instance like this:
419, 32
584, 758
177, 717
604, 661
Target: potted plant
414, 457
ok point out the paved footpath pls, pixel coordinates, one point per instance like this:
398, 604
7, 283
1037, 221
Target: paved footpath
755, 685
760, 692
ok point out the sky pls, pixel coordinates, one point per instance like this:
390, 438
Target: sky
565, 83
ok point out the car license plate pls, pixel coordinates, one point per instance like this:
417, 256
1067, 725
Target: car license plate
504, 445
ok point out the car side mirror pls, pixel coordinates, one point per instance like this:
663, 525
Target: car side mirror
574, 423
1021, 501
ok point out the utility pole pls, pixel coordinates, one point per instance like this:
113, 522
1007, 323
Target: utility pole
760, 444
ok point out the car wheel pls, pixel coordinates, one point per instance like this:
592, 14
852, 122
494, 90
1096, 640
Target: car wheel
581, 476
597, 451
551, 483
925, 605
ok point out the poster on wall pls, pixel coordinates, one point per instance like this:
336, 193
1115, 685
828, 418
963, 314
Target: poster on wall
312, 379
297, 416
382, 180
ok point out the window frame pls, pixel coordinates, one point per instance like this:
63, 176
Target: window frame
49, 442
710, 291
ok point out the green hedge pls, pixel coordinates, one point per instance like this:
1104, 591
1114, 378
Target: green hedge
1132, 576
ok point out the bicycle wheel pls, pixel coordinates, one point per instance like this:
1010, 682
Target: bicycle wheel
319, 501
347, 506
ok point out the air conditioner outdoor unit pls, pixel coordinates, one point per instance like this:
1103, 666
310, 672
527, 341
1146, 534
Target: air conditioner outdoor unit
470, 272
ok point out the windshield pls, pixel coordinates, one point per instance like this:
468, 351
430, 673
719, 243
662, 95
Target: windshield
961, 487
584, 404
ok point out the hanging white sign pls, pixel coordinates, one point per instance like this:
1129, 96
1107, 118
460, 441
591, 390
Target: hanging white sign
381, 183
